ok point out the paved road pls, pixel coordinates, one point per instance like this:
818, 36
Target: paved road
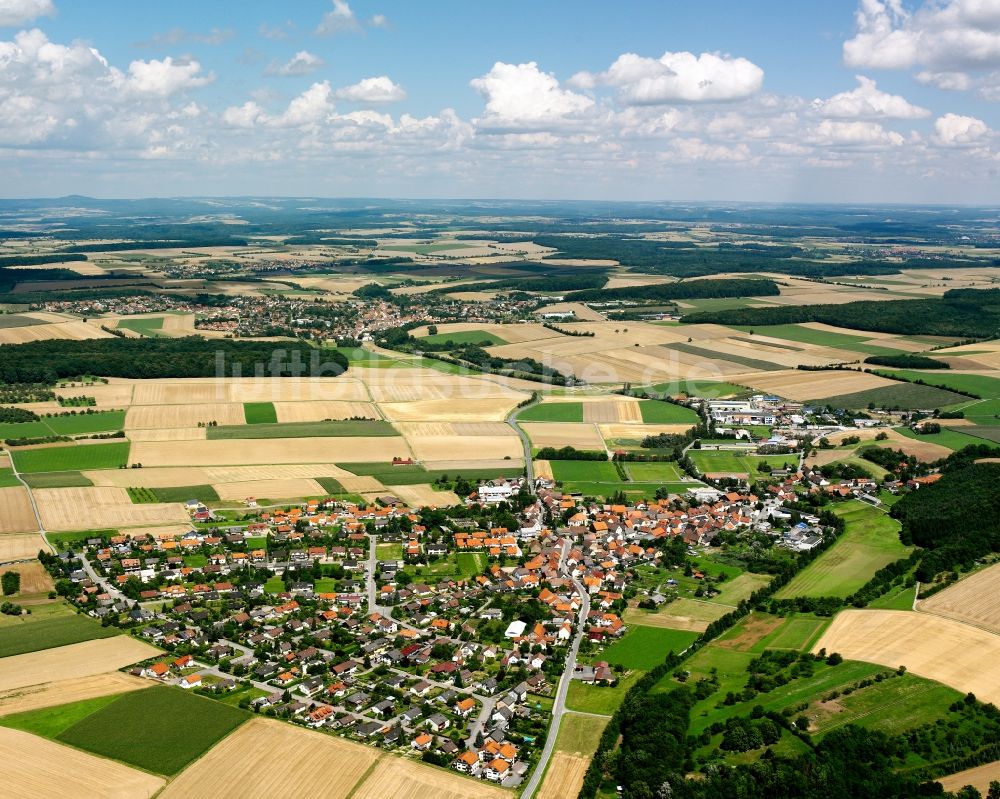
559, 705
529, 466
371, 565
34, 505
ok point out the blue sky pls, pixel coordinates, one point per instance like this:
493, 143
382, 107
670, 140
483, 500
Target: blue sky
877, 100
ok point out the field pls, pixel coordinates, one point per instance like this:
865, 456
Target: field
259, 413
870, 541
599, 699
470, 409
400, 779
265, 759
16, 515
143, 325
978, 777
562, 434
802, 385
666, 413
735, 462
61, 692
268, 451
70, 425
57, 480
646, 647
758, 632
82, 456
481, 337
983, 385
160, 417
652, 472
36, 767
898, 395
589, 471
18, 546
302, 430
553, 412
974, 600
71, 662
288, 488
321, 410
575, 745
34, 579
49, 633
104, 506
941, 442
958, 655
182, 724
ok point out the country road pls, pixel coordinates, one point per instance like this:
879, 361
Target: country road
529, 466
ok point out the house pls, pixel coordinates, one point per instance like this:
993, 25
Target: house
467, 763
158, 671
191, 681
496, 770
438, 722
422, 742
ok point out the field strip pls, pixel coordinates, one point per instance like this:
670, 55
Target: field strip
16, 515
291, 487
408, 779
101, 506
979, 778
61, 692
34, 766
958, 655
70, 662
242, 452
264, 759
974, 600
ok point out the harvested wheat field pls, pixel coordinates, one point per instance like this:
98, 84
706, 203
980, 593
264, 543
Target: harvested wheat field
34, 578
959, 655
292, 487
565, 774
543, 469
612, 412
435, 441
468, 410
361, 485
974, 600
562, 434
147, 477
222, 452
408, 779
169, 434
286, 389
112, 395
503, 466
72, 330
20, 546
101, 506
71, 662
423, 495
62, 692
979, 778
801, 385
321, 410
182, 392
239, 474
34, 766
921, 450
16, 515
267, 759
157, 417
640, 431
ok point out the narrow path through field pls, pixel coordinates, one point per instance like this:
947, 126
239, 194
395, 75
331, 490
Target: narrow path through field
34, 505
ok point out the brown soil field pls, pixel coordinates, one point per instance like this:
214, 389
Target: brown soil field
168, 434
267, 759
979, 778
62, 692
101, 506
565, 775
974, 600
423, 494
561, 434
20, 546
922, 450
238, 452
799, 385
72, 662
959, 655
320, 410
467, 410
754, 629
34, 578
157, 417
407, 779
16, 515
36, 767
288, 488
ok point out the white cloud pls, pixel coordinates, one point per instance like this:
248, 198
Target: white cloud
837, 133
276, 31
340, 20
521, 95
954, 130
866, 101
677, 77
19, 12
941, 34
302, 63
950, 81
373, 90
380, 21
244, 116
310, 107
163, 78
691, 149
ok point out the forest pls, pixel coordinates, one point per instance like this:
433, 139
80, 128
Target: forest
687, 290
962, 313
193, 356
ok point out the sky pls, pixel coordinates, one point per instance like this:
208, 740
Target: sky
879, 101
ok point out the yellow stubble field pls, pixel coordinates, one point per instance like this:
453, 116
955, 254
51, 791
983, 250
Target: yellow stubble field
16, 515
72, 662
223, 452
408, 779
101, 506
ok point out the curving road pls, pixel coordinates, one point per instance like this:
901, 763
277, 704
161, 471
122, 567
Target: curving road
529, 466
